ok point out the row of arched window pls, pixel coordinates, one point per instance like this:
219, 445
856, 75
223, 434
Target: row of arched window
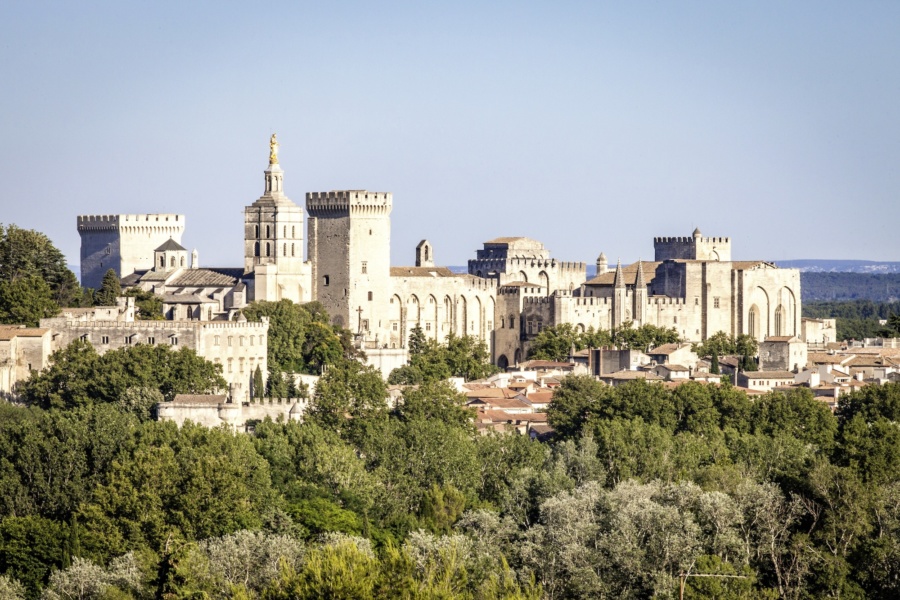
269, 231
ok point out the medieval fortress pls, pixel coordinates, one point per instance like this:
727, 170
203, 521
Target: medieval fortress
512, 290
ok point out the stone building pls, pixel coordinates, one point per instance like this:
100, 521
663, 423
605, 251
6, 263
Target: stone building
512, 290
349, 250
273, 241
124, 243
692, 285
22, 350
239, 346
191, 292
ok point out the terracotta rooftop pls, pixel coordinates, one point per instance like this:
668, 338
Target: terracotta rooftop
769, 375
668, 348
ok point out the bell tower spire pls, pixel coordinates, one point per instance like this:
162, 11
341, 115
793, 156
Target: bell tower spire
274, 174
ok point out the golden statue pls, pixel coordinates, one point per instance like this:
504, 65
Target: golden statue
273, 150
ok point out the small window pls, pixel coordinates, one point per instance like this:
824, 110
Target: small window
293, 232
230, 368
326, 280
108, 249
394, 327
427, 326
365, 267
716, 302
370, 296
230, 340
365, 324
241, 340
256, 231
251, 340
174, 341
151, 340
292, 250
104, 339
696, 301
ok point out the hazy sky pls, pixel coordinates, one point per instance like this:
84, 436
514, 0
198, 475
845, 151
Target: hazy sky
587, 125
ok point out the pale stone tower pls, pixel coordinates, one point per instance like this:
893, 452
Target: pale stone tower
424, 254
620, 294
124, 243
170, 256
602, 264
349, 248
273, 240
640, 296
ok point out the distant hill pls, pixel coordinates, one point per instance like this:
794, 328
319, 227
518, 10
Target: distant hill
822, 279
840, 266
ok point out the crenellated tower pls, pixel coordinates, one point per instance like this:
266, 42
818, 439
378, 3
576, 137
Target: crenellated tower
124, 243
350, 247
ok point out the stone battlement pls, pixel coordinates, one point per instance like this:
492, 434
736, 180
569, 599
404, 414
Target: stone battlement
690, 240
348, 201
60, 322
93, 222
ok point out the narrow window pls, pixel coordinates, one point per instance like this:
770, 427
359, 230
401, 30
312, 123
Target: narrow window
326, 280
292, 250
216, 341
716, 302
174, 341
293, 232
151, 340
256, 231
365, 267
267, 231
370, 296
230, 340
427, 326
268, 249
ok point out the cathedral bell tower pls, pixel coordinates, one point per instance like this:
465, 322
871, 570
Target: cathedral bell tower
273, 239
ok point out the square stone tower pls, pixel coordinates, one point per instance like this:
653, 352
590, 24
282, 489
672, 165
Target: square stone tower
124, 243
350, 248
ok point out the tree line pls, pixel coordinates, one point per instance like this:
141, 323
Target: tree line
365, 500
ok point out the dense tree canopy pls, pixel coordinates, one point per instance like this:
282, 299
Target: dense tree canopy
369, 500
556, 342
79, 376
301, 339
460, 356
27, 253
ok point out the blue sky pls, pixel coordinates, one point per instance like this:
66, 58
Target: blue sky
591, 126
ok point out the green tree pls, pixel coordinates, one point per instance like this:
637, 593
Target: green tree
110, 289
555, 343
468, 357
26, 300
417, 340
148, 306
27, 253
79, 376
259, 386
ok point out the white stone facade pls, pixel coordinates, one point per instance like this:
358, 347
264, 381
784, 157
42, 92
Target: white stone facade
124, 243
238, 346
